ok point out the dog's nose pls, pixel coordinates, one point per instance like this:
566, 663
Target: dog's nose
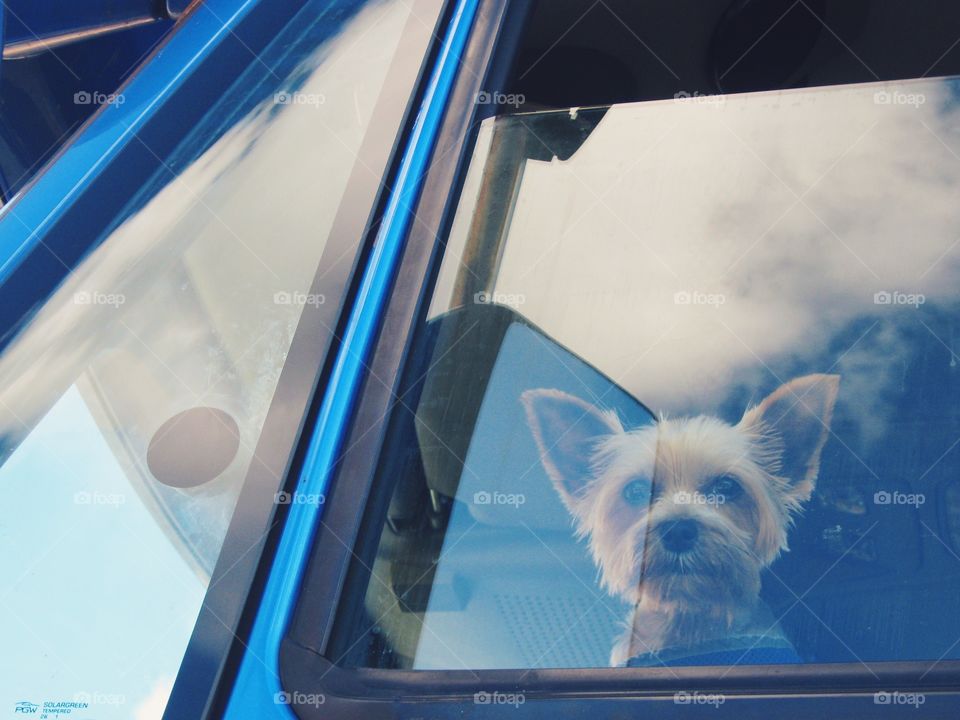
679, 536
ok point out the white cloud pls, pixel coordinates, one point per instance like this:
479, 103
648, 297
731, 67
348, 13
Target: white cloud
794, 207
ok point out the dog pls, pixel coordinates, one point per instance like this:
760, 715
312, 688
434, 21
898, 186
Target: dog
681, 516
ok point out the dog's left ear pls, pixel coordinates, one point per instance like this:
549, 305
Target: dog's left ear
798, 415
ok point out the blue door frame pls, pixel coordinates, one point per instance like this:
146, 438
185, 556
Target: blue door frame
258, 692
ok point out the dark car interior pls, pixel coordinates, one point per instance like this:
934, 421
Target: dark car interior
576, 53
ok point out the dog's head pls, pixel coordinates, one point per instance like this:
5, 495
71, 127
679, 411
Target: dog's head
687, 510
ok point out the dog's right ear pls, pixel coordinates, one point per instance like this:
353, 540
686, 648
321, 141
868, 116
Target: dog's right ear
567, 430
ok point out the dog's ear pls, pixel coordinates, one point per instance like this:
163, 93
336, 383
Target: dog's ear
567, 430
797, 416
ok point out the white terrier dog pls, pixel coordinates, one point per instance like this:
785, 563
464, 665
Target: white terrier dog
682, 516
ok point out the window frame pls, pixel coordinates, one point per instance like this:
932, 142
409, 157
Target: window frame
351, 525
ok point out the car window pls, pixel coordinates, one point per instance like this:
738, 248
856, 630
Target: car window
133, 400
685, 394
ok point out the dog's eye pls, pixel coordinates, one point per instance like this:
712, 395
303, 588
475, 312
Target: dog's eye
636, 492
728, 486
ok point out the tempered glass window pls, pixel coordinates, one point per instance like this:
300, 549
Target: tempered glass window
132, 402
669, 341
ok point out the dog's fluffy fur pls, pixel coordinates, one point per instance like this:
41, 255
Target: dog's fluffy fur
765, 467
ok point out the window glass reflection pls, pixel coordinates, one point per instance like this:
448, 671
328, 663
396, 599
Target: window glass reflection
774, 275
132, 402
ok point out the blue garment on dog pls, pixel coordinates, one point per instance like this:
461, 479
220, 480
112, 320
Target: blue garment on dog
741, 650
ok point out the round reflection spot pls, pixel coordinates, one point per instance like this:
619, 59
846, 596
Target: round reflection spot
193, 447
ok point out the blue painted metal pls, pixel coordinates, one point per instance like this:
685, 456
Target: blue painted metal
23, 222
257, 690
3, 32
